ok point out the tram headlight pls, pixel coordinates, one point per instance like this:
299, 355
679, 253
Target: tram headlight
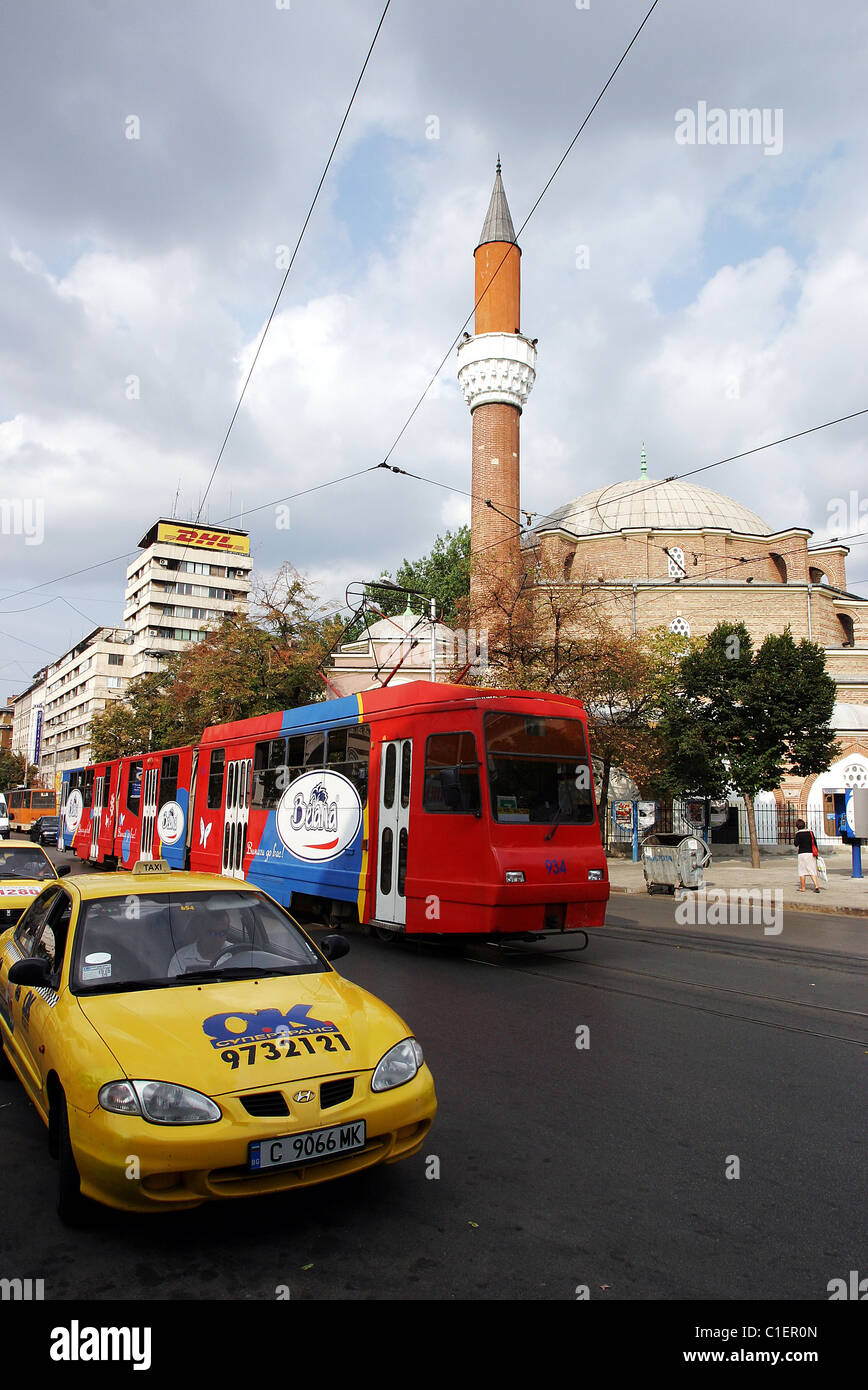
595, 875
515, 875
399, 1065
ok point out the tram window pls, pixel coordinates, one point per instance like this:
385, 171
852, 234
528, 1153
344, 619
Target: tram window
357, 758
359, 743
134, 788
87, 795
538, 770
402, 861
386, 861
169, 779
337, 746
389, 777
405, 773
215, 778
269, 773
451, 774
314, 749
41, 801
295, 750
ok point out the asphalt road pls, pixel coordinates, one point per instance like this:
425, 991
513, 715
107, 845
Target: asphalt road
550, 1165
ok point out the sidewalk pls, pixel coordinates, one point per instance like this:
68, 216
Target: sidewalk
842, 894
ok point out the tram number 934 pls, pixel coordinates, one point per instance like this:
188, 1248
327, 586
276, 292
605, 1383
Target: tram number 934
556, 866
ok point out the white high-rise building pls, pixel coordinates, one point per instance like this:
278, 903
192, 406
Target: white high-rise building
187, 577
77, 686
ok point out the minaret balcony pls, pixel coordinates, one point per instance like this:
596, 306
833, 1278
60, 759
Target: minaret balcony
496, 367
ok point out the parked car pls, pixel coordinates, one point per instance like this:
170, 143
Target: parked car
187, 1019
44, 830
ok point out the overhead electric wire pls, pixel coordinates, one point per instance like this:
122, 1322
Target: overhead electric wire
546, 186
270, 318
310, 211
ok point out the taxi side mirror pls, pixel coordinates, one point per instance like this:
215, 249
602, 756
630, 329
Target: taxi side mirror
30, 972
332, 947
62, 869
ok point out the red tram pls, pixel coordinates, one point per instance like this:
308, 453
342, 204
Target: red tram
423, 808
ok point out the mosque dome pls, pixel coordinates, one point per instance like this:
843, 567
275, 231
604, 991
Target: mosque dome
648, 504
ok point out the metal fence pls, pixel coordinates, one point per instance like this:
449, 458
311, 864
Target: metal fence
775, 825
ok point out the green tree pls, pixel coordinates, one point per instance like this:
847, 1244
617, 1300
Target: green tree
743, 719
444, 575
13, 766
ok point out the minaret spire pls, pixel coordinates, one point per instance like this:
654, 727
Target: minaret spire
498, 221
496, 371
643, 471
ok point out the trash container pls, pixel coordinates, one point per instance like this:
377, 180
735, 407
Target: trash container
673, 861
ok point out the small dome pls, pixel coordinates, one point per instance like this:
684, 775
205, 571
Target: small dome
651, 505
394, 629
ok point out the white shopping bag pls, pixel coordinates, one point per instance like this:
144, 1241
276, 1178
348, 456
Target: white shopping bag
821, 869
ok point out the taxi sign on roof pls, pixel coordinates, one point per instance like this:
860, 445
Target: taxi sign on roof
151, 866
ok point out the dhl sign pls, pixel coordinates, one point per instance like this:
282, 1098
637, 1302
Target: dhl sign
204, 538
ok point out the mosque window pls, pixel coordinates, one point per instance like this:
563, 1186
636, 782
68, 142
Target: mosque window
676, 561
780, 565
847, 629
855, 775
680, 626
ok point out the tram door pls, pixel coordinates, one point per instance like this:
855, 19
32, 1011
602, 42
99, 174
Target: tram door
96, 816
64, 796
149, 812
236, 816
394, 821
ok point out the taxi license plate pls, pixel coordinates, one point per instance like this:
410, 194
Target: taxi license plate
303, 1148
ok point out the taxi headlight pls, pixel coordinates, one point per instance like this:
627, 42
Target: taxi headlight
161, 1102
399, 1065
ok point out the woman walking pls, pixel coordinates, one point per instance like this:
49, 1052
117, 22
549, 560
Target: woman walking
806, 847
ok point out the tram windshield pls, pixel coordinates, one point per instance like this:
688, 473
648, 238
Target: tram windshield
538, 770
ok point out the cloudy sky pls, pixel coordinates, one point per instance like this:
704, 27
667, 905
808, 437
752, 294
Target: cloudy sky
704, 298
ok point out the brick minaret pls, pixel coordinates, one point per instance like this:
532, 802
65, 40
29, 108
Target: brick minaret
497, 368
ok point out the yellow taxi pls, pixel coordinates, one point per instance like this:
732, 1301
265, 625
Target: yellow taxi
183, 1039
25, 869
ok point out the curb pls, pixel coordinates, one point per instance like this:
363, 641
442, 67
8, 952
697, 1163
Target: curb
790, 906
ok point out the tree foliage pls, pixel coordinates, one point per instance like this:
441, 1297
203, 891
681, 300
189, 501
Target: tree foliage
248, 665
443, 574
543, 634
13, 767
743, 719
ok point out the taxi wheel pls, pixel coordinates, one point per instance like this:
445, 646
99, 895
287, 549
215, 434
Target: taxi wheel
71, 1206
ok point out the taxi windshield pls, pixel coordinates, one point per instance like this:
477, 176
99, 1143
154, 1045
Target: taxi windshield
161, 940
25, 861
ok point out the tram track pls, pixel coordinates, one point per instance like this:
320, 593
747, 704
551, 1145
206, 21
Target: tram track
570, 978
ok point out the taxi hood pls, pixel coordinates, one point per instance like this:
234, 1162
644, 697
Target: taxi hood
280, 1030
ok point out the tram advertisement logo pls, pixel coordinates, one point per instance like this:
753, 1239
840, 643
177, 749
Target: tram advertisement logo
319, 816
72, 810
170, 823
